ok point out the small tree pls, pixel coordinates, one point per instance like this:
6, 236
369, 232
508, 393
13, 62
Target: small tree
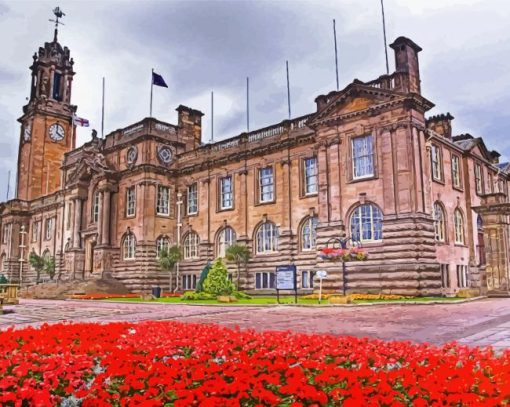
168, 258
37, 263
3, 279
49, 266
240, 255
217, 282
203, 276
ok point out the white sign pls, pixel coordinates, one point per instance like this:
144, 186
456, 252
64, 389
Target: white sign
322, 274
286, 277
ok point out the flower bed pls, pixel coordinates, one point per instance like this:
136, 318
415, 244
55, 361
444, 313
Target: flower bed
104, 296
158, 363
336, 255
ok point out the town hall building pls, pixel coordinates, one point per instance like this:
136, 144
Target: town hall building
367, 165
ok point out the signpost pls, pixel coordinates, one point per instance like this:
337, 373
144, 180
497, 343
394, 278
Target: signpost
286, 279
321, 274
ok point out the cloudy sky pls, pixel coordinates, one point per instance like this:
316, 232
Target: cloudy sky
204, 46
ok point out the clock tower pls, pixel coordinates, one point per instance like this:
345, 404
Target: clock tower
47, 130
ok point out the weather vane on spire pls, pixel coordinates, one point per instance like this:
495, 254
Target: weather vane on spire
58, 14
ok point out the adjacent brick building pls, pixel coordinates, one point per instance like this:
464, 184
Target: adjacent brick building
367, 164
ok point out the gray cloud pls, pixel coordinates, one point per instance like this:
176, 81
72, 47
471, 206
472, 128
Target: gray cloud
199, 46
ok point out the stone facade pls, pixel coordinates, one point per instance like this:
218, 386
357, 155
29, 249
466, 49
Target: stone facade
367, 164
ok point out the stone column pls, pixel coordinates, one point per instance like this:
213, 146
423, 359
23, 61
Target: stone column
106, 218
100, 218
77, 223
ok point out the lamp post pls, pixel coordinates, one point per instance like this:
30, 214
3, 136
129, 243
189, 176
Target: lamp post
179, 225
342, 241
22, 252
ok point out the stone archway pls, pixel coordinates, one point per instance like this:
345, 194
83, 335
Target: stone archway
495, 214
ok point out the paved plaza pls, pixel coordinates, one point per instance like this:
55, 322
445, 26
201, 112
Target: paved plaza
482, 322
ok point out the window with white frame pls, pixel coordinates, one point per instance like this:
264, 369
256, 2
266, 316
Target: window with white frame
266, 185
478, 179
307, 279
310, 175
363, 157
457, 183
48, 231
192, 197
95, 207
458, 223
162, 243
163, 204
445, 275
226, 193
36, 226
6, 233
439, 222
366, 223
226, 238
309, 233
191, 246
264, 280
462, 276
267, 238
189, 281
130, 201
435, 157
129, 247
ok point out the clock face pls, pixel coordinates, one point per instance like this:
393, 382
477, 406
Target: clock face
56, 132
27, 133
165, 155
132, 155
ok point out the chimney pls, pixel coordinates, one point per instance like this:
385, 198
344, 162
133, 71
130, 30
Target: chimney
190, 126
406, 60
441, 124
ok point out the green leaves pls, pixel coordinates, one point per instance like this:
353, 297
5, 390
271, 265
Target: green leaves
169, 257
217, 282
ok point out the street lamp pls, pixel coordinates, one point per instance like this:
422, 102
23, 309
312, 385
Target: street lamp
22, 252
179, 225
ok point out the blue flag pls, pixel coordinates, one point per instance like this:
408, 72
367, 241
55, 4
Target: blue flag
158, 80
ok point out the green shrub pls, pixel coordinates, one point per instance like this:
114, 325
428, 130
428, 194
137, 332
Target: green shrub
241, 296
217, 282
3, 280
193, 296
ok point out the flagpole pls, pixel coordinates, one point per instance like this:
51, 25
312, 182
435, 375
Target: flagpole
384, 33
212, 116
247, 104
288, 86
8, 184
102, 113
336, 54
152, 85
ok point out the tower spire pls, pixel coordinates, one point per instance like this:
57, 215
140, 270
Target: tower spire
58, 14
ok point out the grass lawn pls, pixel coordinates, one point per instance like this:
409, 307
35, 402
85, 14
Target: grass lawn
267, 300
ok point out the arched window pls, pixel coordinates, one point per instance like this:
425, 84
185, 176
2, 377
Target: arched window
309, 233
366, 223
162, 243
95, 207
191, 246
439, 223
226, 238
458, 223
129, 246
267, 238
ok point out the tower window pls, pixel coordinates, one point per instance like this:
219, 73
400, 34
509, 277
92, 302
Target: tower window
57, 86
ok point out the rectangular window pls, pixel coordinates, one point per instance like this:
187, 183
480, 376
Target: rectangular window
456, 179
48, 230
491, 183
192, 206
266, 185
307, 279
6, 233
264, 280
189, 281
57, 85
163, 206
478, 179
362, 157
435, 156
130, 201
462, 276
445, 275
226, 193
310, 175
69, 215
35, 231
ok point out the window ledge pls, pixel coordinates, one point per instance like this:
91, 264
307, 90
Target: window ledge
439, 181
225, 209
460, 189
361, 179
266, 202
